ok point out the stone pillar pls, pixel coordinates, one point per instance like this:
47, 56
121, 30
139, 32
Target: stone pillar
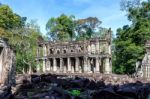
44, 50
38, 52
107, 66
54, 65
38, 66
44, 65
97, 67
89, 66
97, 46
100, 65
77, 64
48, 65
61, 65
72, 66
109, 49
68, 65
147, 71
48, 51
85, 65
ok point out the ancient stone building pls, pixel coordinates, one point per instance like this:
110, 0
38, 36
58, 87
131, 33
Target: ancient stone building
7, 63
87, 56
143, 69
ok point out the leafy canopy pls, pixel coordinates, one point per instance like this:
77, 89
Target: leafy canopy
130, 40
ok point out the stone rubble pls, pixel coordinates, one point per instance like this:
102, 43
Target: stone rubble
57, 86
5, 92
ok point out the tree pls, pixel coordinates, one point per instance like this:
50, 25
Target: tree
24, 41
65, 28
86, 28
22, 37
8, 19
130, 40
61, 28
126, 4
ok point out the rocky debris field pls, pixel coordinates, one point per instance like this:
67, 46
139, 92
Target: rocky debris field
54, 86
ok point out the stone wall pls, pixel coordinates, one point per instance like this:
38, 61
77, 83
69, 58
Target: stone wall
143, 68
7, 64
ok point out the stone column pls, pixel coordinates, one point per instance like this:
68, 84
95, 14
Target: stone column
85, 65
44, 65
38, 66
109, 51
48, 65
44, 50
77, 64
54, 65
48, 51
147, 71
61, 65
72, 66
97, 46
37, 52
107, 66
97, 67
144, 73
89, 66
68, 65
100, 64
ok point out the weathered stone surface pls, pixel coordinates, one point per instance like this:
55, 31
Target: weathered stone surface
7, 63
5, 92
83, 87
76, 56
143, 67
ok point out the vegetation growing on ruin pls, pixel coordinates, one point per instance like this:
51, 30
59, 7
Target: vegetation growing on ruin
66, 28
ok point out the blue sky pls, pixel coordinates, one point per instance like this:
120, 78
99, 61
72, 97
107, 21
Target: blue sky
108, 11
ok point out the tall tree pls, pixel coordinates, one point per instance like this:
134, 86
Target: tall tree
61, 28
24, 41
8, 19
22, 37
131, 39
86, 28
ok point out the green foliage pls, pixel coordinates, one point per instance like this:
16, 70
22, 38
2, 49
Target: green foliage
22, 37
61, 28
8, 19
75, 92
130, 40
86, 28
66, 28
24, 41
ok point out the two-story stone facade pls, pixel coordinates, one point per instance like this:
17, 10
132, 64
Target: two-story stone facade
87, 56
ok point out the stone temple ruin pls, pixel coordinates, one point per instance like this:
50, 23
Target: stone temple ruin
7, 63
143, 68
87, 56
